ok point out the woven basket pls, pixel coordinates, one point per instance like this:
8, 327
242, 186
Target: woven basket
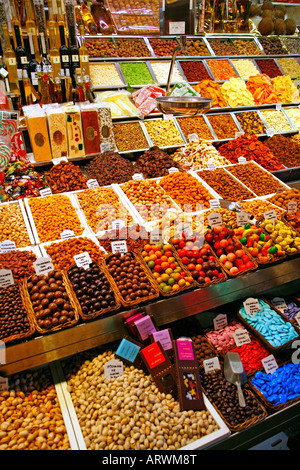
68, 324
284, 219
102, 312
249, 422
214, 281
171, 292
267, 403
262, 339
288, 255
31, 330
113, 283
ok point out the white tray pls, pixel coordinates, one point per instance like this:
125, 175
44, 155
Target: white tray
20, 202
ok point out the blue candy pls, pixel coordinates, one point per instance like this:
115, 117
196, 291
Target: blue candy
281, 386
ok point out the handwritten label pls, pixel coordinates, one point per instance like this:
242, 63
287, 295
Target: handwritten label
278, 107
270, 215
45, 192
105, 147
214, 218
279, 303
168, 117
238, 134
113, 369
193, 137
241, 336
211, 364
270, 132
92, 184
214, 203
119, 246
220, 321
251, 306
137, 176
6, 278
156, 236
2, 352
177, 27
66, 234
7, 245
242, 160
83, 260
292, 206
211, 165
173, 170
43, 265
269, 363
242, 219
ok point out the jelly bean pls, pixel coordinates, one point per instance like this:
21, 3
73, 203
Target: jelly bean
270, 325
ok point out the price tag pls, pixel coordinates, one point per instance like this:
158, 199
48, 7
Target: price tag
242, 219
156, 236
238, 134
120, 246
241, 336
57, 161
83, 260
278, 107
242, 160
211, 165
220, 321
137, 176
45, 192
6, 278
3, 384
251, 306
214, 203
4, 73
92, 184
105, 147
279, 303
173, 170
211, 364
292, 206
43, 265
66, 234
118, 224
168, 117
7, 245
214, 218
113, 369
270, 364
177, 27
270, 215
193, 137
270, 132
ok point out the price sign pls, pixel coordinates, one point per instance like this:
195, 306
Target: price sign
177, 27
270, 364
242, 219
105, 147
92, 184
137, 176
173, 170
214, 218
211, 165
270, 132
214, 203
193, 137
251, 306
220, 321
241, 336
113, 369
242, 160
292, 206
6, 278
270, 215
120, 246
238, 134
168, 117
57, 161
45, 192
3, 384
279, 303
211, 364
7, 245
83, 260
66, 234
43, 265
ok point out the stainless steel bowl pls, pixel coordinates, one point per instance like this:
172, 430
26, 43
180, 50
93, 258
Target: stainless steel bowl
190, 105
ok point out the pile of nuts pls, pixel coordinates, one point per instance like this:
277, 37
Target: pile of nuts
225, 185
155, 163
129, 136
196, 47
30, 415
132, 48
129, 412
223, 47
13, 226
259, 181
13, 316
164, 47
257, 207
101, 48
195, 125
283, 198
163, 133
62, 253
223, 126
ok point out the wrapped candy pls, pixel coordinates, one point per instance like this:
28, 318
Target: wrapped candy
145, 98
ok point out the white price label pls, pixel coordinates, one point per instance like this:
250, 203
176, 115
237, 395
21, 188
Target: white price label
270, 132
137, 176
7, 245
113, 369
43, 265
242, 219
270, 364
242, 160
292, 206
56, 60
251, 306
241, 336
214, 218
193, 137
105, 147
6, 278
220, 321
156, 236
45, 192
12, 61
83, 260
57, 161
173, 170
168, 117
120, 246
66, 234
278, 107
92, 184
214, 203
24, 60
211, 364
270, 215
238, 134
211, 165
65, 58
184, 227
177, 27
118, 224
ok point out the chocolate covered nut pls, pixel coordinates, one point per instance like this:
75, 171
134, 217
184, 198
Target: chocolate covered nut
13, 316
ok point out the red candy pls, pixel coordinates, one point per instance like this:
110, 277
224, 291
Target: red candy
251, 355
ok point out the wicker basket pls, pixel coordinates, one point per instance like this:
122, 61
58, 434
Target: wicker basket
288, 255
68, 324
284, 219
262, 339
267, 403
102, 312
249, 422
31, 330
171, 292
214, 281
113, 283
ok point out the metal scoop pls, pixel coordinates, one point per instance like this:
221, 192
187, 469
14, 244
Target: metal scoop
234, 206
235, 374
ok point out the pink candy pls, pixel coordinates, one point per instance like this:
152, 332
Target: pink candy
223, 338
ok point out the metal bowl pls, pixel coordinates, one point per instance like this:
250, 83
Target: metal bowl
190, 105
